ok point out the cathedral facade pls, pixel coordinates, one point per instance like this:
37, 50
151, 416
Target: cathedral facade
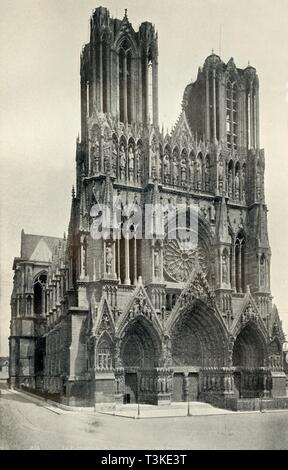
127, 309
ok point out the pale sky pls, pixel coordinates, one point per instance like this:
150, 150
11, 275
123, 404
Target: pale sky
40, 44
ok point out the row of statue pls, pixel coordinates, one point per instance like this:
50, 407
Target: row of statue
126, 164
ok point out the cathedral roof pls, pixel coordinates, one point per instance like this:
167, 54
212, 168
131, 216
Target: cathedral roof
38, 247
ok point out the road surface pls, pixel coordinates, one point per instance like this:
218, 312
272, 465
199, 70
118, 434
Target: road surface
28, 425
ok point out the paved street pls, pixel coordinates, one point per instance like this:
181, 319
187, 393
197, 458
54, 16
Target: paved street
29, 425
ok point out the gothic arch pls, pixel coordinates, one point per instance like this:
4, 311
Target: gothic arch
126, 42
126, 66
250, 347
39, 293
105, 352
240, 261
140, 344
198, 337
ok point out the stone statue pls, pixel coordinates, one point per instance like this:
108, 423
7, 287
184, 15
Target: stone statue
95, 153
174, 172
131, 164
191, 171
109, 259
122, 162
138, 163
237, 186
166, 169
198, 175
183, 172
220, 176
230, 184
243, 180
114, 157
156, 264
224, 269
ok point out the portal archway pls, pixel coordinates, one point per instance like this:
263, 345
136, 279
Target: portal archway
198, 338
249, 359
198, 345
140, 352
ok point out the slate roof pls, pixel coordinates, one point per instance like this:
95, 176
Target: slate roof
30, 242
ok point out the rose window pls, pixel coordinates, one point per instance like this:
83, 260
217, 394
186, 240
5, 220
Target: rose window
180, 256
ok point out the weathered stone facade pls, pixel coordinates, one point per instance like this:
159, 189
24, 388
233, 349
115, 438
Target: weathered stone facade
130, 318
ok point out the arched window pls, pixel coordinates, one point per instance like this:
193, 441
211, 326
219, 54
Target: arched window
39, 294
240, 262
231, 115
263, 271
230, 179
150, 88
129, 88
125, 82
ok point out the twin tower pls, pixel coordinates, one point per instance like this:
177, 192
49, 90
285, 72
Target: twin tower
111, 314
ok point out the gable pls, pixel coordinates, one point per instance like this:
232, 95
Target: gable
41, 252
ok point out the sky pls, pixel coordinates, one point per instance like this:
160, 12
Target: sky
40, 45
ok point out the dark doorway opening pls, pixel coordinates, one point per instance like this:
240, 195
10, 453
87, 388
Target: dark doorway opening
131, 395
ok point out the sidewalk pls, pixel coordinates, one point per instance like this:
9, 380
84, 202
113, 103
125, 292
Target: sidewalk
176, 409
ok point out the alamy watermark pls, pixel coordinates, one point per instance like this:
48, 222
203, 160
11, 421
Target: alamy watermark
146, 222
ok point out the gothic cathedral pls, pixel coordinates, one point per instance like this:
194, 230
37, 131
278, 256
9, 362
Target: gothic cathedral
123, 310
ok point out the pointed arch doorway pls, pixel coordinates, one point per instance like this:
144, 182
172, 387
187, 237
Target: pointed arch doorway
140, 354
